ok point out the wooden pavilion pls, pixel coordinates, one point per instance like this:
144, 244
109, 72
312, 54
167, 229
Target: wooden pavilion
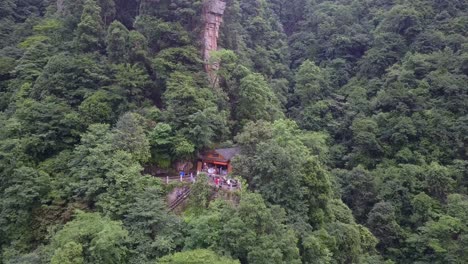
217, 161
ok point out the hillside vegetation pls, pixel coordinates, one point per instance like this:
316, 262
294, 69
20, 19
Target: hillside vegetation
351, 117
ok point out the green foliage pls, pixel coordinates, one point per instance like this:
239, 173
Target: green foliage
196, 256
256, 100
425, 208
251, 232
312, 96
105, 174
257, 35
133, 82
444, 239
97, 108
69, 77
200, 194
32, 63
358, 191
365, 141
161, 139
382, 223
161, 34
32, 41
173, 11
311, 83
71, 253
315, 248
48, 126
90, 238
153, 232
24, 190
166, 145
277, 163
89, 32
108, 10
129, 135
93, 92
117, 42
438, 181
192, 112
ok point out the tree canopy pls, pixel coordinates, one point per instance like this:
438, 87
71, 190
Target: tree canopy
350, 117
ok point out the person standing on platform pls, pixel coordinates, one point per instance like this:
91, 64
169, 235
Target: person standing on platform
181, 174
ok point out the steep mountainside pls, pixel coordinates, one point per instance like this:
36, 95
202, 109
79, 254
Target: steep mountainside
351, 117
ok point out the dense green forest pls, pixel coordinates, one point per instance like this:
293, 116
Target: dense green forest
351, 117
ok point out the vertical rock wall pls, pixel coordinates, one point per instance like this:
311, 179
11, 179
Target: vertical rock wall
213, 11
60, 6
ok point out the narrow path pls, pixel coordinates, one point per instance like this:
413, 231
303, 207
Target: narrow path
184, 195
180, 199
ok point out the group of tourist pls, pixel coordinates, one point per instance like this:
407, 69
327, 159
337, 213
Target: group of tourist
219, 182
182, 175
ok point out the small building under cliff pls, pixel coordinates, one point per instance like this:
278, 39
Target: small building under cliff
217, 161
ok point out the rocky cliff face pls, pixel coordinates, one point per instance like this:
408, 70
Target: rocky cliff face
60, 6
213, 11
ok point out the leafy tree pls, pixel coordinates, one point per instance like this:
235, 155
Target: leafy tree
358, 191
153, 232
251, 232
108, 10
311, 83
104, 175
161, 139
71, 253
350, 241
438, 181
33, 61
177, 59
166, 145
201, 193
98, 239
24, 191
196, 256
138, 47
90, 29
382, 223
457, 205
316, 247
256, 100
366, 144
398, 185
440, 241
162, 34
378, 86
98, 108
272, 164
133, 82
48, 126
388, 48
403, 20
191, 110
117, 42
129, 135
425, 208
69, 78
256, 33
274, 168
